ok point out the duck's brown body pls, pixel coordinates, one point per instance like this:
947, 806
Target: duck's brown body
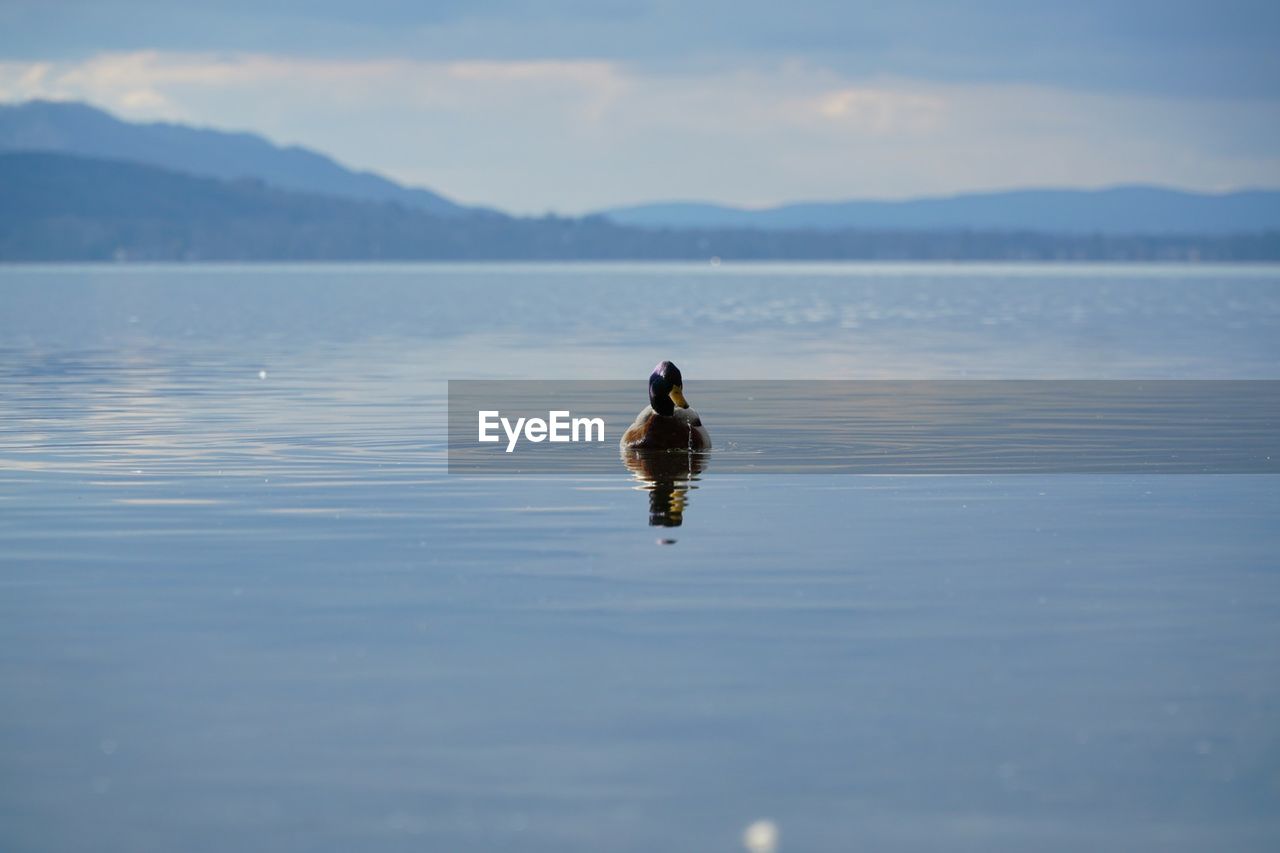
682, 430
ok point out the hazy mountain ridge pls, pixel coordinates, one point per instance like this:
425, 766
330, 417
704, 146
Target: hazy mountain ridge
60, 207
83, 130
80, 129
1118, 210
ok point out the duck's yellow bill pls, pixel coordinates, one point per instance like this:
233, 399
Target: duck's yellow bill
677, 397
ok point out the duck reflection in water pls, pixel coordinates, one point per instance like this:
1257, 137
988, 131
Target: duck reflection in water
668, 476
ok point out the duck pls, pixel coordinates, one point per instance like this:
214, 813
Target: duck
667, 423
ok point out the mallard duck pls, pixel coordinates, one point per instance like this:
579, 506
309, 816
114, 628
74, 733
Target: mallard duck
660, 425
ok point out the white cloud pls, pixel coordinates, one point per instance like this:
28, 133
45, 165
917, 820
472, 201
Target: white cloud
882, 111
578, 135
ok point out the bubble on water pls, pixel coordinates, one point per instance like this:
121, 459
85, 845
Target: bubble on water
262, 374
761, 837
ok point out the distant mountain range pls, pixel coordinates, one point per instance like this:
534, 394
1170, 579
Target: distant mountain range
60, 207
78, 184
56, 206
80, 129
1120, 210
74, 128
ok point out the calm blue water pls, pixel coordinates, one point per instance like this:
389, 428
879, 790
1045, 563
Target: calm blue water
245, 607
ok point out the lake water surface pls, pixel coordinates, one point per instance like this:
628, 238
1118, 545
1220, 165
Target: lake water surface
246, 607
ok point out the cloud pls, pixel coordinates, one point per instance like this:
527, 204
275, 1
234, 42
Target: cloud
576, 135
882, 111
1202, 48
1205, 48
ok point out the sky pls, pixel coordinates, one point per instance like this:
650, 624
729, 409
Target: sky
580, 105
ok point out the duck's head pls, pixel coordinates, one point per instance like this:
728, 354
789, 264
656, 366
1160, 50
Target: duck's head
666, 389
